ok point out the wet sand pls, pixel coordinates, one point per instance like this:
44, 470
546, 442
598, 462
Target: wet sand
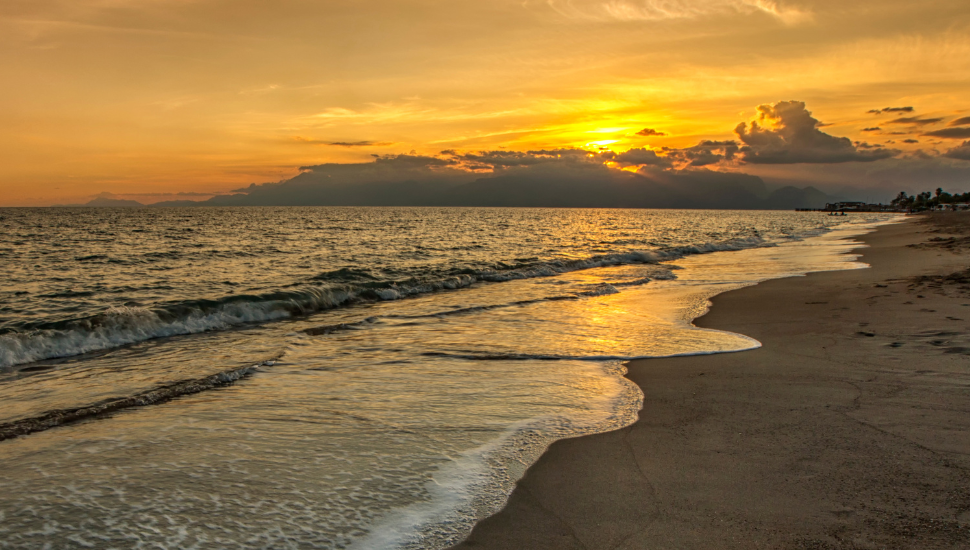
849, 428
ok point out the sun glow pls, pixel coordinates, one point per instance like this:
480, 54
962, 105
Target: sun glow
608, 130
130, 98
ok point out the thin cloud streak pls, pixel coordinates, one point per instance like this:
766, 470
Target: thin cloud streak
950, 133
363, 143
915, 120
659, 10
41, 27
891, 110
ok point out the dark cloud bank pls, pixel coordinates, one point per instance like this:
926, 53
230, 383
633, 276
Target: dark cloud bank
783, 133
961, 152
563, 178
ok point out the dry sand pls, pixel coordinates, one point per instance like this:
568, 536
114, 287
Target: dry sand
849, 428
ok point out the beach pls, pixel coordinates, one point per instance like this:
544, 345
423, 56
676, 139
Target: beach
848, 428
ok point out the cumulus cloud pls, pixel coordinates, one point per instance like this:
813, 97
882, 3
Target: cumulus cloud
650, 132
786, 133
960, 121
915, 120
950, 133
705, 153
891, 110
961, 152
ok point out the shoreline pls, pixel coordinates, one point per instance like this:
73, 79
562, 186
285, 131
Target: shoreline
848, 428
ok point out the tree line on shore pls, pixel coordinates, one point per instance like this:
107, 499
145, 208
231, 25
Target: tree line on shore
927, 200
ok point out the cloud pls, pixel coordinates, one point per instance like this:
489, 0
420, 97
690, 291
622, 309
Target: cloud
382, 168
872, 129
309, 141
910, 141
658, 10
915, 120
705, 153
786, 133
788, 15
960, 121
650, 132
552, 178
891, 110
950, 133
961, 152
359, 143
502, 160
641, 157
922, 155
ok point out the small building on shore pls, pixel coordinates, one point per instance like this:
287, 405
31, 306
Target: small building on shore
857, 206
852, 206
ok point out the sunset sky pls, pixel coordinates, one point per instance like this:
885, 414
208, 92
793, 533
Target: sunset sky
146, 99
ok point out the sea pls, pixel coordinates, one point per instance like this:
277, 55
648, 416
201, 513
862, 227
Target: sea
373, 378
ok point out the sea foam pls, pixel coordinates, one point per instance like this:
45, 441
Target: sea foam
125, 325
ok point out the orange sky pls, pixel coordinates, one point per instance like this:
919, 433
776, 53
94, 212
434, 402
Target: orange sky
148, 98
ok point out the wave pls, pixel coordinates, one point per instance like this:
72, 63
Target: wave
476, 356
131, 324
601, 290
476, 484
339, 327
126, 325
644, 280
154, 396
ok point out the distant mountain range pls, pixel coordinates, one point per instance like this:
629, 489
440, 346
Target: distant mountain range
701, 189
104, 202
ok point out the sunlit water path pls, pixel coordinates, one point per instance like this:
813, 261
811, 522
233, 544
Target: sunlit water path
401, 367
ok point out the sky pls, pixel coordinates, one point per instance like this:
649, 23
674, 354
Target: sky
157, 100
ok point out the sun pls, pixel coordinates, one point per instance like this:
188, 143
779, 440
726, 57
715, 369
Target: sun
601, 143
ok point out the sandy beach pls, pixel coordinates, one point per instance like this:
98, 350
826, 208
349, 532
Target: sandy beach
849, 428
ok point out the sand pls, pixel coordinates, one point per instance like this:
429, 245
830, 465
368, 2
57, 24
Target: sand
849, 428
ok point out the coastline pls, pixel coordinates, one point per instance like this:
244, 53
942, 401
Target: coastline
848, 428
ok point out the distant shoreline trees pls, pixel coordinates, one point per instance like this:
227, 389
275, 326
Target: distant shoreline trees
927, 200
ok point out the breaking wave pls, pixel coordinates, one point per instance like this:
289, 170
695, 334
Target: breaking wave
130, 324
154, 396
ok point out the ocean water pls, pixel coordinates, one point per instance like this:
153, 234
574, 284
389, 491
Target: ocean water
339, 377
